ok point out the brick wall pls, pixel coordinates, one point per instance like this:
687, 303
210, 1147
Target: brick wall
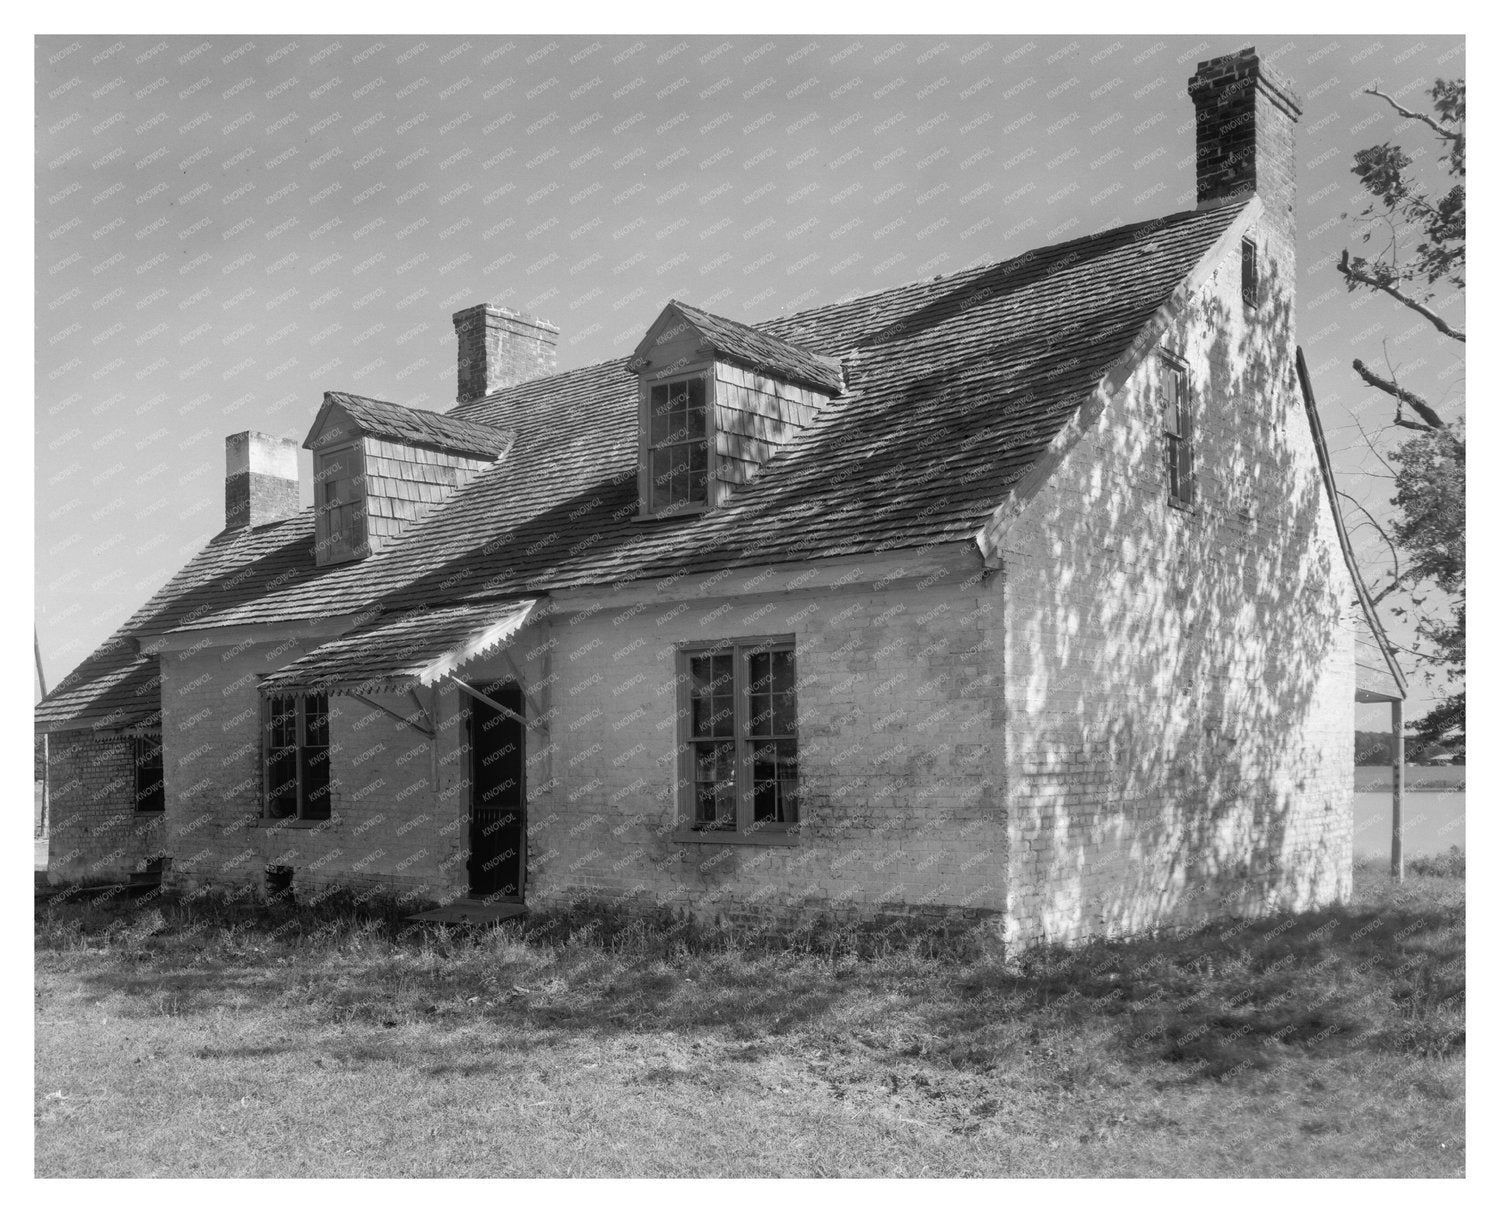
387, 829
1180, 683
96, 835
899, 701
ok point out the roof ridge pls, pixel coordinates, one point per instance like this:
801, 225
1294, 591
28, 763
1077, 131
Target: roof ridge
761, 325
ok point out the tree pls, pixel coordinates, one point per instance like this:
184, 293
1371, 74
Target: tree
1429, 527
1419, 238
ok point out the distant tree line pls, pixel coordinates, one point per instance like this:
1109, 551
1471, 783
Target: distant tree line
1373, 749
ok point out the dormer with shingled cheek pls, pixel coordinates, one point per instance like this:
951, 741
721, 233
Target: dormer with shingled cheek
378, 467
717, 399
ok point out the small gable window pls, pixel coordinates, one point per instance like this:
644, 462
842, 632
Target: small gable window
1249, 274
1177, 430
295, 736
677, 456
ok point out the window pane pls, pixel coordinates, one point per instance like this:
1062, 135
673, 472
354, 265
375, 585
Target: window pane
315, 708
712, 695
774, 766
315, 798
283, 721
281, 783
713, 785
150, 788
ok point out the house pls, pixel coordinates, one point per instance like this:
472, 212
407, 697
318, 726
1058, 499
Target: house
1018, 597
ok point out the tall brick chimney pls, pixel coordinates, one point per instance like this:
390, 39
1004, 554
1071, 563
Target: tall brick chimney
1247, 144
260, 479
498, 348
1247, 133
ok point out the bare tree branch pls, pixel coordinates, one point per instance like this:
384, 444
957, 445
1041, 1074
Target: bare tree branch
1401, 297
1410, 399
1442, 131
1389, 542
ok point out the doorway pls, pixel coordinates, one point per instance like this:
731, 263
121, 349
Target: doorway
497, 794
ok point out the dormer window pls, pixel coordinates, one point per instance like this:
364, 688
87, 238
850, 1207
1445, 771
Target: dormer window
678, 452
718, 399
339, 495
380, 467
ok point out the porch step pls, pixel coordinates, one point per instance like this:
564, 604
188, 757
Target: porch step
472, 912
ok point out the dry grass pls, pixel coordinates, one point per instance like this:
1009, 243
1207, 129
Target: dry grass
220, 1039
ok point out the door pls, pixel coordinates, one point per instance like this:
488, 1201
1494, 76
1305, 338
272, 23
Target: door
497, 794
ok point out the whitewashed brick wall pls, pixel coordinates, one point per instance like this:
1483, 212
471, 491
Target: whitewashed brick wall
1179, 684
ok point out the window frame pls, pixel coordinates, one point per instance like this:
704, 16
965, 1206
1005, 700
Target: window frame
703, 373
352, 452
1250, 272
155, 797
299, 749
745, 829
1177, 446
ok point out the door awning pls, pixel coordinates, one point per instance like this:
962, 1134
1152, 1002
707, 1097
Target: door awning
401, 652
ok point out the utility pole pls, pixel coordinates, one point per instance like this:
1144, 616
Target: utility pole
41, 680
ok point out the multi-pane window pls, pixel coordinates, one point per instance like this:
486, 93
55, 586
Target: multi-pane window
677, 453
741, 736
296, 756
1177, 430
150, 781
338, 486
1249, 277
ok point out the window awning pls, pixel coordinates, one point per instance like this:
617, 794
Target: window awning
401, 652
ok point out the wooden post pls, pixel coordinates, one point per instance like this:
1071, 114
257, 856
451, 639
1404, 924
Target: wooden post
41, 681
1398, 787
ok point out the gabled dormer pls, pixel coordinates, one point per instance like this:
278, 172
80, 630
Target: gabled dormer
378, 467
717, 400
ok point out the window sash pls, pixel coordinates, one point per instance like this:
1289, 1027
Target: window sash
677, 452
1249, 276
739, 736
296, 784
1177, 430
150, 774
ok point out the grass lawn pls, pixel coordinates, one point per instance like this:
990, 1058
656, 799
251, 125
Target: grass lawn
205, 1038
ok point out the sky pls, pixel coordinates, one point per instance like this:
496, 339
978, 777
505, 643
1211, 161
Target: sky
226, 227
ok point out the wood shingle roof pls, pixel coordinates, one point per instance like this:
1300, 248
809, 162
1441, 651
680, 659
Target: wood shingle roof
952, 389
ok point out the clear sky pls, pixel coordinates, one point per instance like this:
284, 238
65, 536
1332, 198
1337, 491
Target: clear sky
226, 227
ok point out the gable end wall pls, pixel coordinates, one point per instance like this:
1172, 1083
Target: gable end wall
1180, 683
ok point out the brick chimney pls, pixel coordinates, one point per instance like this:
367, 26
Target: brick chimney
1247, 145
1247, 133
498, 348
260, 479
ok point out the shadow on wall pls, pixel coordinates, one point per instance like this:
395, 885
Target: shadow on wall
1181, 702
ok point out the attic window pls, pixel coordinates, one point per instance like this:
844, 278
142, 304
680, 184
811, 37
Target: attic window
338, 480
1177, 431
676, 455
1249, 275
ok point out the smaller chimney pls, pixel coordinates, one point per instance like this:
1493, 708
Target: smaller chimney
498, 348
260, 479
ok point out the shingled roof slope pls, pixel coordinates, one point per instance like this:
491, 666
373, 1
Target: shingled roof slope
954, 387
382, 419
115, 687
760, 350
